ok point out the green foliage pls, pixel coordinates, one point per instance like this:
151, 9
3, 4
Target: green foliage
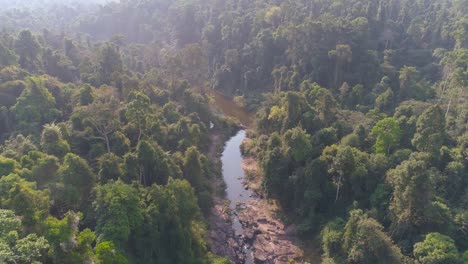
108, 254
110, 168
388, 133
14, 250
35, 107
364, 241
86, 95
28, 50
436, 249
30, 249
430, 131
331, 236
43, 167
52, 141
78, 180
9, 222
412, 196
24, 199
174, 223
154, 163
118, 212
7, 56
298, 145
356, 86
137, 110
110, 64
8, 166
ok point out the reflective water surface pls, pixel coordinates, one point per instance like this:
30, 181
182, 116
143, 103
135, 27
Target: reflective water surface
233, 175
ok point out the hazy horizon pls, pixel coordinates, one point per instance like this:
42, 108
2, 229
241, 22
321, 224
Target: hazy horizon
5, 4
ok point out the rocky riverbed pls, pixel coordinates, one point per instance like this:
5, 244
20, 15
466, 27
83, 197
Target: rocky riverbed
270, 240
263, 236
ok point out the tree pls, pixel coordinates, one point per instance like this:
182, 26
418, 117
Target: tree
348, 169
384, 101
407, 82
118, 212
193, 170
154, 163
275, 167
8, 222
7, 56
67, 243
108, 254
30, 249
52, 141
331, 236
388, 133
102, 114
24, 199
86, 95
298, 145
78, 179
342, 55
16, 147
137, 111
110, 64
110, 168
8, 166
273, 16
35, 107
364, 241
436, 249
460, 33
430, 131
174, 225
43, 167
413, 192
28, 50
295, 105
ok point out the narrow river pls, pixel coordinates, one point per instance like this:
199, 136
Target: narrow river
233, 175
263, 238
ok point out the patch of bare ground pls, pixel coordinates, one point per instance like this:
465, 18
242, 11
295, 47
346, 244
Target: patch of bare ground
253, 177
271, 240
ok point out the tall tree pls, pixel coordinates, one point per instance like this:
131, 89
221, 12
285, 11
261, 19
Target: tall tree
342, 55
430, 131
102, 114
110, 64
437, 249
35, 107
413, 193
28, 50
388, 133
137, 111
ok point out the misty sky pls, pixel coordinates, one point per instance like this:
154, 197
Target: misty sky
37, 3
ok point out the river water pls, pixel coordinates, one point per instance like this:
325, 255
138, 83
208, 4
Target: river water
232, 170
230, 108
233, 175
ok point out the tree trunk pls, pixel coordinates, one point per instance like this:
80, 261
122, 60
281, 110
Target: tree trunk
106, 137
338, 189
448, 106
336, 74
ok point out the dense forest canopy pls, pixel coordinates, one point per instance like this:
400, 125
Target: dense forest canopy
361, 126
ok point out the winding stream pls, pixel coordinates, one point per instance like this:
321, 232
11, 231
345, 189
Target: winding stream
264, 237
233, 175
